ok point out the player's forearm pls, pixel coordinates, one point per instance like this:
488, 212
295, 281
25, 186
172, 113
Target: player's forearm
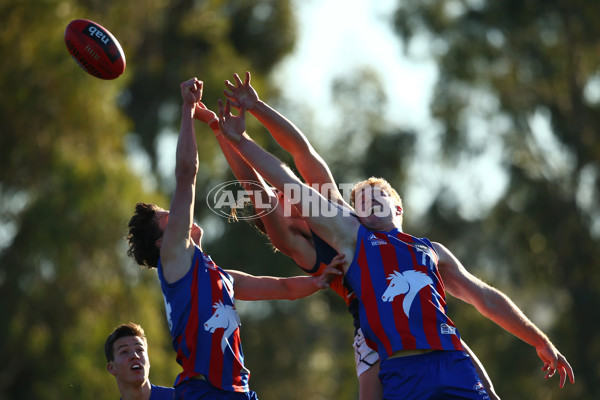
186, 155
500, 309
282, 129
251, 288
246, 175
238, 165
274, 171
311, 166
240, 168
298, 287
327, 222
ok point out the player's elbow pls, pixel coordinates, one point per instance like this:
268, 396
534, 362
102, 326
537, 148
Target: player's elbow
488, 303
186, 169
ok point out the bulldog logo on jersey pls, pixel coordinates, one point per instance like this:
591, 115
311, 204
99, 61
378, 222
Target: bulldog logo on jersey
408, 283
225, 317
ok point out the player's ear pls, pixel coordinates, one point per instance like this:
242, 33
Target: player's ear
111, 368
158, 242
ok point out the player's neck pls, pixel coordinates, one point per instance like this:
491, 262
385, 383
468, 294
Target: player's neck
135, 392
383, 225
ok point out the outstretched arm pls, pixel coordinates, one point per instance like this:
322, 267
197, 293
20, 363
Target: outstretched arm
312, 167
498, 307
326, 220
176, 247
278, 227
250, 287
260, 194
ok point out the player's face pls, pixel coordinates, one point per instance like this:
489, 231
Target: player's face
374, 207
130, 364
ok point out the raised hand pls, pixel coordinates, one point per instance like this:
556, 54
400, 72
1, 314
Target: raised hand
233, 127
242, 95
191, 91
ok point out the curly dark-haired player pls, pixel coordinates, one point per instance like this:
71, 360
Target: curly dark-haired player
199, 295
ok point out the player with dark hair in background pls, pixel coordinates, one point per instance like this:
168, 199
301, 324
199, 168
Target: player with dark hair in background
127, 359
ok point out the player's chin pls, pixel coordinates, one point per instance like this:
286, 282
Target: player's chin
375, 221
370, 221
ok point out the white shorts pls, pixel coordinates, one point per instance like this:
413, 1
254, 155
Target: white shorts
364, 356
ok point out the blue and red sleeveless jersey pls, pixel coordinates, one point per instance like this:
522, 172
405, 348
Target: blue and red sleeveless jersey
204, 325
161, 392
402, 302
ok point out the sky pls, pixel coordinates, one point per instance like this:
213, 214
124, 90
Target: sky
335, 41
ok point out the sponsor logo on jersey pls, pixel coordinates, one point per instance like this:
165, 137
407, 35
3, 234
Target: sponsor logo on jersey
447, 329
375, 241
481, 390
421, 247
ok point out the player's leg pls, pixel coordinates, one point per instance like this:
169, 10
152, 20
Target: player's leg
367, 369
369, 385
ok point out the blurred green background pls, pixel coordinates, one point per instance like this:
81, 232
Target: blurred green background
520, 79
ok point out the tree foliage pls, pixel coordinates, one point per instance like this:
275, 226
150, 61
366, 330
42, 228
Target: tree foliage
523, 75
67, 187
65, 191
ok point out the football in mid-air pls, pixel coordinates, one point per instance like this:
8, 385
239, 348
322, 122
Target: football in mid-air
95, 49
